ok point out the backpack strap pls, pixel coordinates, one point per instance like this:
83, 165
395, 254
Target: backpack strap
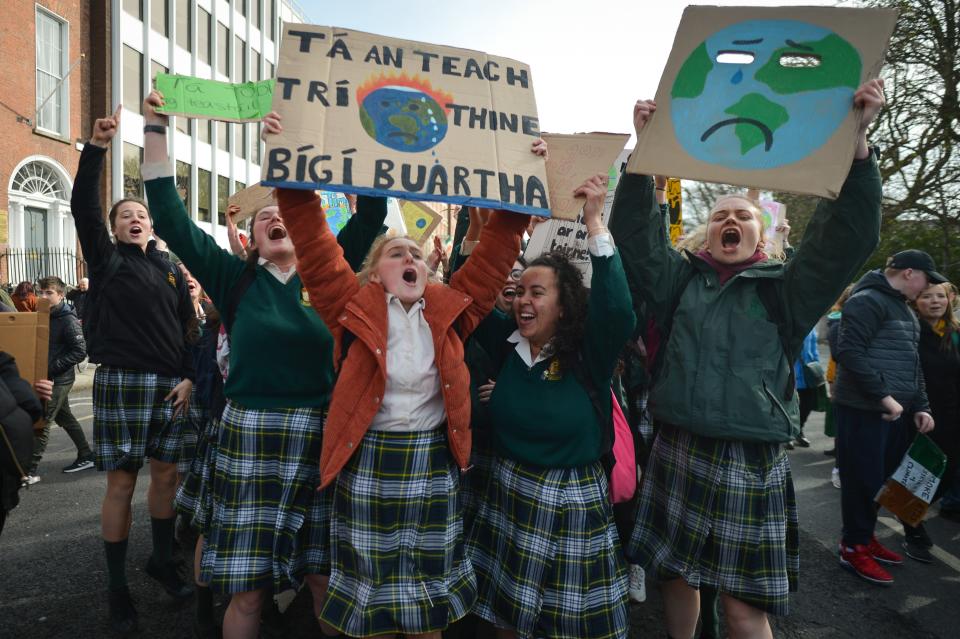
236, 293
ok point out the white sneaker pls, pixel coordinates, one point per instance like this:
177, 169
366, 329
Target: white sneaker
835, 477
637, 589
31, 480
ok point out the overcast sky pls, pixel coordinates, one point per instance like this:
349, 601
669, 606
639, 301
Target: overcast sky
590, 60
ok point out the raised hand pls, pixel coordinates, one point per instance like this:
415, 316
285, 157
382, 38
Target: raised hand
869, 97
151, 103
105, 128
643, 110
595, 191
271, 125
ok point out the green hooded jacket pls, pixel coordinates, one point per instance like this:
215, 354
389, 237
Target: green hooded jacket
726, 368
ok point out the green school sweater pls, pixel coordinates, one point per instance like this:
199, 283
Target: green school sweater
542, 416
281, 352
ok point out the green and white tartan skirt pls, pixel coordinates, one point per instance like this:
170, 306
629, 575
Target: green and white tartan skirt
131, 419
268, 525
193, 499
397, 556
547, 554
720, 513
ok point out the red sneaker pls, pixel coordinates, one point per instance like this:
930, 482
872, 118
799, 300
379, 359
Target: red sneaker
880, 553
860, 560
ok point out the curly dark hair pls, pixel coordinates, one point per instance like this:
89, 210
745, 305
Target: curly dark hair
572, 298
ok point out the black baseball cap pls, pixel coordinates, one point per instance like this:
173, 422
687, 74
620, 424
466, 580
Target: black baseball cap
918, 261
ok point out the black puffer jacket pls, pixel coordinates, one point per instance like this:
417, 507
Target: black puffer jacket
877, 349
19, 408
67, 348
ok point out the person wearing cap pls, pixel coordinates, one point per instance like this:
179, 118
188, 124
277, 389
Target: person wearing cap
880, 395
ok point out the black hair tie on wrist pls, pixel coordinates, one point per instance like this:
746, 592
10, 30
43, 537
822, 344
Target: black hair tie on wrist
154, 128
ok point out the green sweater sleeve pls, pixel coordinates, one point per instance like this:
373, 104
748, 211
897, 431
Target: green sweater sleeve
610, 318
655, 272
362, 229
215, 269
838, 240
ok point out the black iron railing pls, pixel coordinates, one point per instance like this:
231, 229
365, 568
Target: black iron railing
29, 265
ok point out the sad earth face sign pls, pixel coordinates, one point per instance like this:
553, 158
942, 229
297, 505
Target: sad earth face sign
403, 113
761, 94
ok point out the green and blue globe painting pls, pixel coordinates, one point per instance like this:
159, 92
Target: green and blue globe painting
403, 118
769, 112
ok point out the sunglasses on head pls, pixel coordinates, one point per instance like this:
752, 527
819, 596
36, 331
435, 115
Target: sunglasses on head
516, 273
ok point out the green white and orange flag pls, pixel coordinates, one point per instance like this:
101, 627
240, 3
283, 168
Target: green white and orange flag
910, 489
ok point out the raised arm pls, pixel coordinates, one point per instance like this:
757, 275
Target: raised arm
329, 279
85, 203
655, 272
610, 316
215, 269
842, 233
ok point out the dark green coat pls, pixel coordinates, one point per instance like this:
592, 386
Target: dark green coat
725, 371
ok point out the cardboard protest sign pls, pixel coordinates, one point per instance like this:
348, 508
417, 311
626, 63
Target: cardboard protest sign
908, 493
251, 200
419, 219
763, 96
337, 208
773, 213
573, 159
213, 100
364, 113
571, 235
254, 198
674, 209
26, 337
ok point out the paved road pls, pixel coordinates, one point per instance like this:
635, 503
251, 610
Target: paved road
52, 573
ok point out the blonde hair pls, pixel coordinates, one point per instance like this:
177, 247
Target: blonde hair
693, 241
376, 252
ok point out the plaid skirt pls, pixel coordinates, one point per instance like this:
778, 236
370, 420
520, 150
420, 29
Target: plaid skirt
131, 420
396, 539
547, 555
268, 524
720, 513
193, 428
193, 496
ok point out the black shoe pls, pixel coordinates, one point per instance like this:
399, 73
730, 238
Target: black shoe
81, 463
917, 551
919, 535
802, 441
167, 575
123, 616
831, 453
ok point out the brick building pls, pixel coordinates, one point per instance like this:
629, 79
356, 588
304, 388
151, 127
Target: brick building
45, 94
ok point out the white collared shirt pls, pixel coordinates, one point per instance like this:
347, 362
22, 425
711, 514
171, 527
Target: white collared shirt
523, 349
274, 270
413, 399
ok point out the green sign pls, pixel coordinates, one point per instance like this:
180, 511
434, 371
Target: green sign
212, 100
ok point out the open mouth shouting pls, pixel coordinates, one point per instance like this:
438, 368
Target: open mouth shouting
277, 232
410, 276
136, 231
730, 239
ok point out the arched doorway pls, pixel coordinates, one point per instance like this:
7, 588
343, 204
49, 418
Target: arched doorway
42, 239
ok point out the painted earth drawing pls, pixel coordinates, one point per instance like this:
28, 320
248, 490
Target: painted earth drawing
762, 114
403, 114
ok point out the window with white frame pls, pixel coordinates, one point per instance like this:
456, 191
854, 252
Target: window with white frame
53, 115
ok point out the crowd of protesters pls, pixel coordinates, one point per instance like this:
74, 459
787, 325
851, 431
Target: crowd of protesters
436, 457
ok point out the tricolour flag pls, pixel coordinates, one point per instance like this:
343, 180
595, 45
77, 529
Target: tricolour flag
910, 489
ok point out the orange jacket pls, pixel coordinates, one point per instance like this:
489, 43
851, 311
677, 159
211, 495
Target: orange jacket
452, 312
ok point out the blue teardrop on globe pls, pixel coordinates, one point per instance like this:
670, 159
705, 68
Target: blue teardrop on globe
421, 223
403, 119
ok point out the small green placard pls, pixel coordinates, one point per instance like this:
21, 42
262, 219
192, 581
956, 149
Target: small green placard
212, 100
